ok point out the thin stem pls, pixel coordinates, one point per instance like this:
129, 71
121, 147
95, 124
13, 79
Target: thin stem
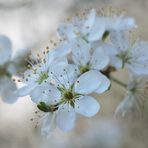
118, 82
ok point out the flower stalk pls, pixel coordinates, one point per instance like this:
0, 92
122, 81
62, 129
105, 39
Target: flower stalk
118, 82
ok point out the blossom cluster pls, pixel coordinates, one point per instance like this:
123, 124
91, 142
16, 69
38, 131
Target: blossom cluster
91, 46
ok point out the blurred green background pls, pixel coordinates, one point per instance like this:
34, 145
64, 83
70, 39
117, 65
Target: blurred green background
31, 24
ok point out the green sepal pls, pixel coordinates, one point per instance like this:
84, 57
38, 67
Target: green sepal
105, 35
43, 107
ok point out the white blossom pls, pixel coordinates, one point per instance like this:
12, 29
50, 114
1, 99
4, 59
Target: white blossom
88, 29
61, 82
133, 103
117, 23
88, 59
68, 95
124, 54
38, 74
94, 27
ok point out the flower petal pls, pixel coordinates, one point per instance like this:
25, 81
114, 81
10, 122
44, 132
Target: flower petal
129, 107
58, 64
97, 32
25, 90
119, 40
89, 22
7, 90
67, 31
64, 75
139, 62
87, 106
62, 50
112, 52
80, 52
45, 93
125, 23
5, 49
48, 124
30, 77
99, 59
88, 82
104, 84
66, 116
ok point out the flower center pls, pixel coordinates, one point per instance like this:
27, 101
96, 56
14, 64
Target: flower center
84, 68
124, 56
68, 95
42, 76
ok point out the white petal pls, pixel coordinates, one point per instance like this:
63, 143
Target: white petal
64, 75
99, 59
11, 68
5, 49
97, 32
88, 82
30, 76
67, 31
139, 62
120, 40
7, 90
49, 57
9, 97
48, 124
62, 50
105, 83
125, 24
58, 64
87, 106
112, 52
65, 119
25, 90
45, 93
109, 49
89, 22
130, 107
138, 68
56, 56
80, 51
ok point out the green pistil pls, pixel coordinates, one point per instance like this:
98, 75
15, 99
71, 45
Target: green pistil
124, 57
43, 76
68, 95
84, 68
